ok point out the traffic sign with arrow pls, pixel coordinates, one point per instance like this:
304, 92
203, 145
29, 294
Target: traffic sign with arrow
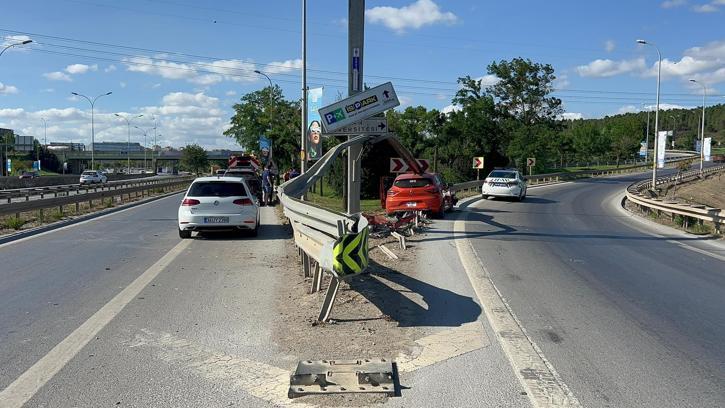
398, 165
478, 162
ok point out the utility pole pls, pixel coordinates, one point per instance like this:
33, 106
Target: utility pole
303, 133
356, 40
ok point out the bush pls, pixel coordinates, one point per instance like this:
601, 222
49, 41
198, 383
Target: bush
14, 223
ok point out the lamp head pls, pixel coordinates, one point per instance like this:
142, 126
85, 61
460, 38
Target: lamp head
26, 42
641, 42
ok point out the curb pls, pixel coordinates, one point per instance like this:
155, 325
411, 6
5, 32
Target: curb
85, 217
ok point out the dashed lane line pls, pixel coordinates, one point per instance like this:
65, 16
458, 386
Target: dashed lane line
539, 378
32, 380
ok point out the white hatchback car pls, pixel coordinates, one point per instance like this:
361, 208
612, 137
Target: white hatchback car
93, 177
504, 183
218, 204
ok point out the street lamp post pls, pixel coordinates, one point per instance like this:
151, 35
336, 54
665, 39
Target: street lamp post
144, 146
128, 142
93, 126
702, 130
45, 136
657, 112
271, 103
15, 44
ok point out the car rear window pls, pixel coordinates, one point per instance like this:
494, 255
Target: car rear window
412, 183
89, 173
502, 174
217, 189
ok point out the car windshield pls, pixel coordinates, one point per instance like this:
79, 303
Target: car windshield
502, 174
217, 189
412, 183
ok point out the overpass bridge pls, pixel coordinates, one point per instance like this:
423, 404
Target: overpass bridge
80, 160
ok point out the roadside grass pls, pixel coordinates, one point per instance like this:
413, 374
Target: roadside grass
329, 200
14, 223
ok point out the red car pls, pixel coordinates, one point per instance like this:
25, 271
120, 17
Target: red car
419, 192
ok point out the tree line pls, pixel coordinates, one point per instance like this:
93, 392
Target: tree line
506, 122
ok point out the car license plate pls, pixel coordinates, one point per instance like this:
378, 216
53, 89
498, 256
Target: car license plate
500, 185
215, 220
413, 204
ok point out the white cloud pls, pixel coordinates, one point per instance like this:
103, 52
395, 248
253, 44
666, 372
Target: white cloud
110, 68
405, 101
450, 109
561, 82
673, 3
80, 68
57, 76
208, 73
609, 45
14, 39
705, 8
183, 118
7, 89
230, 93
571, 116
608, 68
488, 80
47, 90
154, 86
704, 63
628, 109
415, 15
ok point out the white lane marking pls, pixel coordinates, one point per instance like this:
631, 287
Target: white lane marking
539, 378
263, 381
647, 227
444, 345
24, 387
100, 217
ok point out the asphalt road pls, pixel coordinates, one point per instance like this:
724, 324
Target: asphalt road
627, 317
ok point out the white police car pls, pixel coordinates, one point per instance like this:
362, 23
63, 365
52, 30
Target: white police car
505, 183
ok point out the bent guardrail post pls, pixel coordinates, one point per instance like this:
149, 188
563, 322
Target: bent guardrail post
336, 242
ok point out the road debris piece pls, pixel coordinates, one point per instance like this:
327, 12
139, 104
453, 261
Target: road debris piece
388, 252
342, 376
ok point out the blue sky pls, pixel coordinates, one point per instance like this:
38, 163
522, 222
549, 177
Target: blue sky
187, 62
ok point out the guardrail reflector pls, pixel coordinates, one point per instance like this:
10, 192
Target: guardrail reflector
350, 253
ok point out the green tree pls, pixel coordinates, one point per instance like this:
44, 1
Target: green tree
266, 112
624, 137
194, 158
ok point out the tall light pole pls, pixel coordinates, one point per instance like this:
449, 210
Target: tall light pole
702, 131
14, 45
45, 137
657, 112
128, 141
145, 133
271, 103
93, 126
154, 146
303, 133
646, 140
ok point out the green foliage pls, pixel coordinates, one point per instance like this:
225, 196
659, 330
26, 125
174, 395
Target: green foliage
194, 158
14, 223
266, 112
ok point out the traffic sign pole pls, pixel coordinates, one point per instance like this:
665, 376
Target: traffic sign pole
356, 36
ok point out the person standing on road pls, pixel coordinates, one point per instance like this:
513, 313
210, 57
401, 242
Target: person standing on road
267, 185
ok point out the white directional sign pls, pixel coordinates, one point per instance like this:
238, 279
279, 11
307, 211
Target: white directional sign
358, 107
531, 161
478, 162
373, 125
398, 165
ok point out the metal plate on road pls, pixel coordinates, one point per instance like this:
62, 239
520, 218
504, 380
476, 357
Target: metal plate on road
358, 107
367, 126
342, 376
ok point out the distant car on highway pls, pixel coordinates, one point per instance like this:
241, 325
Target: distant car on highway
93, 177
29, 175
504, 183
218, 204
419, 192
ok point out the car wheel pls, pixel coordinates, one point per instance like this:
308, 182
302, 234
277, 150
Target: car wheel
184, 234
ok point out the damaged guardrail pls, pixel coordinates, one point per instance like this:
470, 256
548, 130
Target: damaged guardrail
636, 193
329, 241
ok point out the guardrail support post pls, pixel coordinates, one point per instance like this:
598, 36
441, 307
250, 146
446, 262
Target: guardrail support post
316, 279
306, 265
329, 300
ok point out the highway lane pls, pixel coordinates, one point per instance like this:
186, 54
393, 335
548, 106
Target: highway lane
626, 317
52, 283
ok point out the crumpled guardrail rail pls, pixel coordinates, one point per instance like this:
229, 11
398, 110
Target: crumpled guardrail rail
43, 203
565, 176
635, 194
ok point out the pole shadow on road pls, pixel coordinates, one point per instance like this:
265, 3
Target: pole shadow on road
444, 308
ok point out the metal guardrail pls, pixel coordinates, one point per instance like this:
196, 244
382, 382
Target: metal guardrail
636, 194
60, 201
568, 176
327, 239
65, 189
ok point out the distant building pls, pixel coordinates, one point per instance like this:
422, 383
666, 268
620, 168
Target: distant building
24, 143
79, 147
114, 147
